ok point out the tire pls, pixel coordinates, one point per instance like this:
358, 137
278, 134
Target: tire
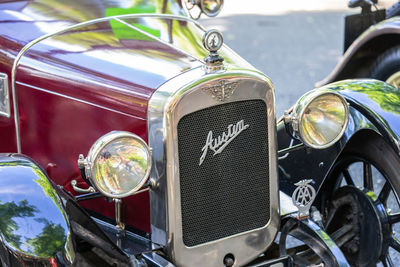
387, 67
393, 11
384, 164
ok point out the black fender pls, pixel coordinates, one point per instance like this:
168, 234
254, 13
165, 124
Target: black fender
359, 57
33, 225
42, 224
374, 112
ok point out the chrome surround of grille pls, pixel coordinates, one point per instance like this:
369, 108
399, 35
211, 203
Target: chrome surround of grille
174, 99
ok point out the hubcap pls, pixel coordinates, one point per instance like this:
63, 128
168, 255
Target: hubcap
353, 213
372, 200
360, 224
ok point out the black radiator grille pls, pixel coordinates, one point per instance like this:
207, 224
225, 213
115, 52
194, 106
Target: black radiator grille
229, 192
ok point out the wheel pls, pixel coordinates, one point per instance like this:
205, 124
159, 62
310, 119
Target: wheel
393, 11
387, 67
361, 208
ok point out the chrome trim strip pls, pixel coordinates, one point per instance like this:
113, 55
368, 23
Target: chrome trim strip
75, 26
4, 84
173, 100
156, 260
78, 100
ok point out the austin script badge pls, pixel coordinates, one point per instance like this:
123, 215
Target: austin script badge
218, 144
222, 90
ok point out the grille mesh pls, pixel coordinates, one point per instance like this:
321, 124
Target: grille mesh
229, 192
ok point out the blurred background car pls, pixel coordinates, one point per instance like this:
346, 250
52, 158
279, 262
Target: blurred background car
296, 42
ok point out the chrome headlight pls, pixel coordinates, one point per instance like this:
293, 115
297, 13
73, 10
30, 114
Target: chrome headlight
211, 7
320, 118
118, 164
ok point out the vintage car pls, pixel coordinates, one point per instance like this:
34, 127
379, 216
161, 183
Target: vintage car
371, 45
132, 136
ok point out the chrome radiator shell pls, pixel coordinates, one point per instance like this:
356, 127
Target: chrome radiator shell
181, 96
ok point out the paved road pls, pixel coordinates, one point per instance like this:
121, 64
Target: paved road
295, 48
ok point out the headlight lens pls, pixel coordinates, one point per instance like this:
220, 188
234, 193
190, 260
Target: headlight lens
119, 164
321, 117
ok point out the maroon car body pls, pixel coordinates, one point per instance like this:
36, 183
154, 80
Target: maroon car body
78, 86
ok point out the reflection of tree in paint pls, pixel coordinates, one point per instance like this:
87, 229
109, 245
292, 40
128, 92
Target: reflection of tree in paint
42, 180
51, 239
78, 11
8, 212
44, 183
385, 95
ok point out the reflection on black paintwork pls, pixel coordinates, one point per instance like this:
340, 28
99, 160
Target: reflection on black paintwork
387, 96
379, 98
31, 216
46, 186
50, 240
8, 213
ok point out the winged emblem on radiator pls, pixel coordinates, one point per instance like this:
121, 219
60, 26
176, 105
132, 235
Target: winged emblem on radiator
222, 90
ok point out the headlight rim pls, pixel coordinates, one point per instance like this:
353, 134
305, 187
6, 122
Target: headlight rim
203, 8
301, 107
99, 145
